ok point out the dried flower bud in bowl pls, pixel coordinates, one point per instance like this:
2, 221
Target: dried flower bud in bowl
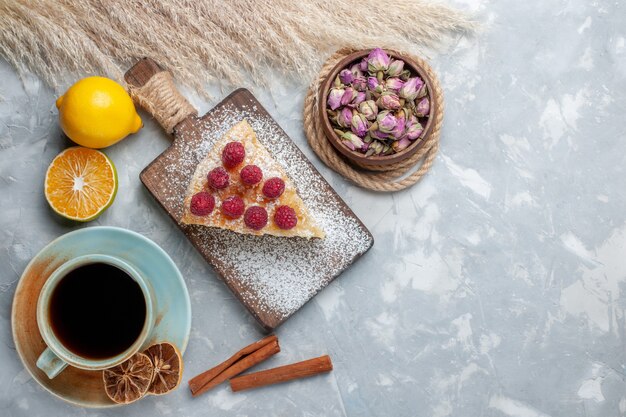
376, 106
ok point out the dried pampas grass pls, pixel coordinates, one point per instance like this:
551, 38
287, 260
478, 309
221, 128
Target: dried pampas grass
206, 40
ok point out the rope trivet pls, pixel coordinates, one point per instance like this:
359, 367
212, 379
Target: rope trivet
160, 98
388, 177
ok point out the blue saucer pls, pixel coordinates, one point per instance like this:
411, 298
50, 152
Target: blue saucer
171, 300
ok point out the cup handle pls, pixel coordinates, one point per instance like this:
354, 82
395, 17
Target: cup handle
50, 363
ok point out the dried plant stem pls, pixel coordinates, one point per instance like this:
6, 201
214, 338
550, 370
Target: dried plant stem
205, 40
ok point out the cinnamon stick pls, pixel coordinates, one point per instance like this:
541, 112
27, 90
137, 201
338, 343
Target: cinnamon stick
244, 359
282, 373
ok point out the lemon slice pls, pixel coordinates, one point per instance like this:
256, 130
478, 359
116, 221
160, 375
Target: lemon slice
168, 368
80, 183
129, 381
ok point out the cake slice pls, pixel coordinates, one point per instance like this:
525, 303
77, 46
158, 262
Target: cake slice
240, 187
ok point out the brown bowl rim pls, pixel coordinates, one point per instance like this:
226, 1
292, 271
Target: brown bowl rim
332, 136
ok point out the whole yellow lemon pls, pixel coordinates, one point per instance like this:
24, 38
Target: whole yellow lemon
97, 112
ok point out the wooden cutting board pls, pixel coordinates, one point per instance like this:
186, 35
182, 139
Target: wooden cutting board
273, 277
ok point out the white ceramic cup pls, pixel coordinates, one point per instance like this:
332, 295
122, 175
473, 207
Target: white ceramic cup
57, 357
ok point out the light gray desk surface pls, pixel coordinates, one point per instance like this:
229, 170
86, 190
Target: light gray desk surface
495, 286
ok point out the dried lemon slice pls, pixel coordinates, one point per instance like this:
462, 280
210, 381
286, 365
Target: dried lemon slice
168, 368
129, 381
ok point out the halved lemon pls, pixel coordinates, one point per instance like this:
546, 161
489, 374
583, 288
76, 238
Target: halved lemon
168, 368
81, 183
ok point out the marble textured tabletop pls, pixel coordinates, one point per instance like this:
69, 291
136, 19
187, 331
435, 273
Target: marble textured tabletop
496, 285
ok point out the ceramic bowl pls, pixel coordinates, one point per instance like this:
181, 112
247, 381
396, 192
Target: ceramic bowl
358, 157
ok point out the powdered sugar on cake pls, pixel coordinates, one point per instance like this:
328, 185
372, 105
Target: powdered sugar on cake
278, 274
253, 154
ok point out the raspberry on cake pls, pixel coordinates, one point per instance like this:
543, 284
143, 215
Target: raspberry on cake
246, 205
218, 178
233, 154
273, 188
202, 203
251, 175
255, 217
233, 207
285, 217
